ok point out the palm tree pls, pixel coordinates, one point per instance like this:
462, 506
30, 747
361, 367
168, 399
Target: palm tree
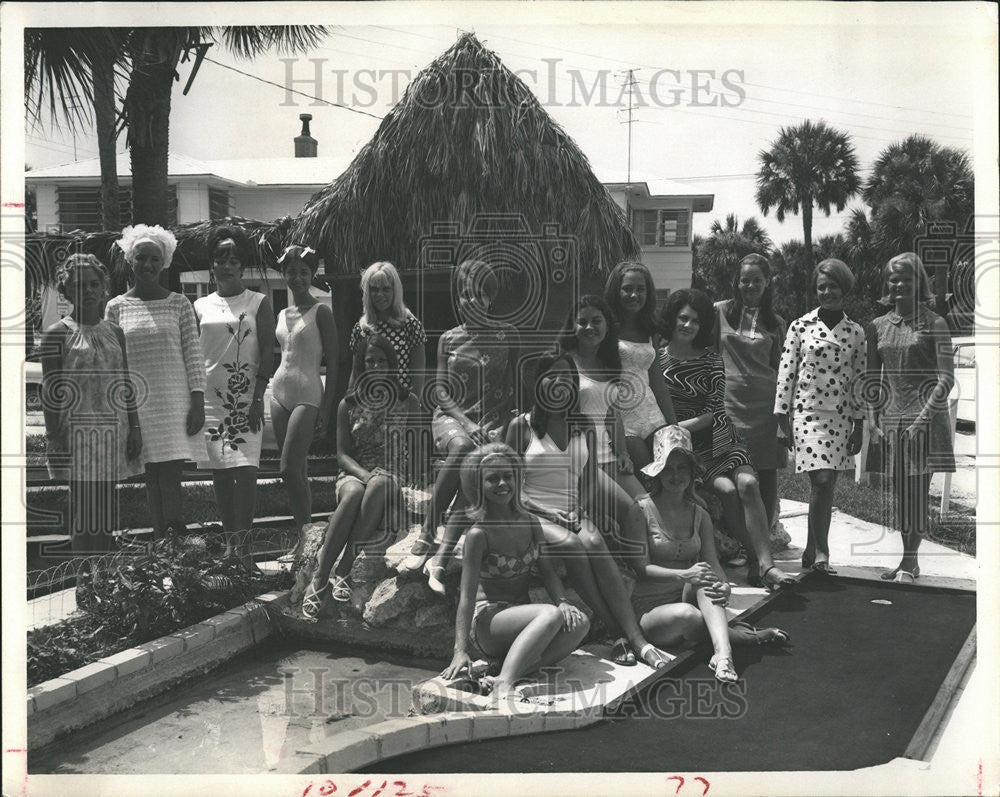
77, 69
811, 165
718, 255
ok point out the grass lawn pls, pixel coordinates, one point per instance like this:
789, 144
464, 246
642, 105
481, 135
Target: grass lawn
958, 531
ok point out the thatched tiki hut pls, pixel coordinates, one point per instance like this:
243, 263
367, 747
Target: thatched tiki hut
469, 164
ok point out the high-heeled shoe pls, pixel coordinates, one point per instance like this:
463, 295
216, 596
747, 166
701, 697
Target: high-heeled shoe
435, 577
890, 575
420, 552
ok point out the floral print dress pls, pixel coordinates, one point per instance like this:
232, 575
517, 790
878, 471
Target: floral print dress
232, 354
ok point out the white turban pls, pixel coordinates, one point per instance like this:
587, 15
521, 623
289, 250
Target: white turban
141, 233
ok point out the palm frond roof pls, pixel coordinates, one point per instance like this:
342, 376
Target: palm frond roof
467, 141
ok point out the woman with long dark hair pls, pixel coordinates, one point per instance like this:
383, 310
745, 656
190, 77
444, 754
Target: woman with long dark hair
749, 338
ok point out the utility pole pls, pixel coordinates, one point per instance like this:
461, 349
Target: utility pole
630, 83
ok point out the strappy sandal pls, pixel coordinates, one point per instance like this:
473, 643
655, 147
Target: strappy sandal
724, 670
890, 575
740, 558
905, 577
764, 636
781, 583
823, 568
653, 656
341, 590
313, 600
622, 654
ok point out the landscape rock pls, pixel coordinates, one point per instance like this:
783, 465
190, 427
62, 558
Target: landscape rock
394, 597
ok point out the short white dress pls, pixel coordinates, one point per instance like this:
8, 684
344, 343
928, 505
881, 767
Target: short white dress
166, 364
232, 354
640, 414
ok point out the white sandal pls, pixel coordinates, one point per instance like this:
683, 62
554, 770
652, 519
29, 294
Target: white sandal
724, 670
341, 589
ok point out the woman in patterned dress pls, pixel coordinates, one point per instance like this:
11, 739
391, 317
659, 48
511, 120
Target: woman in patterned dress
644, 402
910, 361
91, 423
387, 315
474, 393
749, 335
696, 379
819, 384
237, 337
168, 368
370, 422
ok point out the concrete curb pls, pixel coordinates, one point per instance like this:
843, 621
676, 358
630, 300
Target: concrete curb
107, 686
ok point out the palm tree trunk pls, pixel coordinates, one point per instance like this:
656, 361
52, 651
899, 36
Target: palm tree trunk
104, 116
807, 226
148, 99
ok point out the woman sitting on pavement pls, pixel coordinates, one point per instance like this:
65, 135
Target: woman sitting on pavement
682, 591
370, 422
560, 486
496, 619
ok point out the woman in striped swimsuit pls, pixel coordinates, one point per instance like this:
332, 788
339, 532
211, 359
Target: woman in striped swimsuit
496, 619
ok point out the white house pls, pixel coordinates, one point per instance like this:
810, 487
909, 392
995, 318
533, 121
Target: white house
68, 198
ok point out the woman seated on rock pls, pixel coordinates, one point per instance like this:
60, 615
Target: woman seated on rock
696, 379
561, 487
370, 457
682, 589
496, 619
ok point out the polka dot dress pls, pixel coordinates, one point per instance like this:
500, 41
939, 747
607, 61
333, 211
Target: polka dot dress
819, 385
403, 339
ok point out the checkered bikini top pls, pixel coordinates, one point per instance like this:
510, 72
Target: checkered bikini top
502, 566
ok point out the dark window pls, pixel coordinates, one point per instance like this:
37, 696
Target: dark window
218, 203
80, 208
661, 227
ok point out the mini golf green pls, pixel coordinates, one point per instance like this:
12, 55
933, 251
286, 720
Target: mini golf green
866, 662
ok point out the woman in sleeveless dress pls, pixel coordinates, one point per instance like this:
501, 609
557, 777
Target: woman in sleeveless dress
749, 336
300, 404
696, 379
910, 361
237, 338
371, 422
682, 591
91, 422
561, 488
168, 368
496, 619
643, 401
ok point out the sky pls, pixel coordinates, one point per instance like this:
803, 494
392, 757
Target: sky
708, 97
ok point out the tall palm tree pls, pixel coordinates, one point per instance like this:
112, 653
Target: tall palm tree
718, 255
810, 165
76, 69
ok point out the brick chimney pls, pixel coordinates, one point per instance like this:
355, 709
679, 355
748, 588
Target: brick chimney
305, 144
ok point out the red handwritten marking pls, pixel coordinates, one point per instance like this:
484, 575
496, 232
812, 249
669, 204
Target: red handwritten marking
360, 788
979, 779
681, 783
378, 791
22, 750
14, 205
329, 787
706, 786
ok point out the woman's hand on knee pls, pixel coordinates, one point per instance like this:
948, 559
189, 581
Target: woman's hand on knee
572, 617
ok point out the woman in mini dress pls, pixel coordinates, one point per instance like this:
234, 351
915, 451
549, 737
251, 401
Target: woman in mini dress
167, 365
820, 387
237, 337
91, 423
749, 336
644, 402
910, 362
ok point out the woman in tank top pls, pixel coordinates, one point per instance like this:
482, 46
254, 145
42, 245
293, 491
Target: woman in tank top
682, 591
300, 404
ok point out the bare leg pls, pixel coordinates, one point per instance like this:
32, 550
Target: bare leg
244, 497
533, 635
673, 624
338, 530
222, 482
822, 484
918, 488
755, 518
374, 509
294, 459
564, 546
768, 481
716, 621
445, 487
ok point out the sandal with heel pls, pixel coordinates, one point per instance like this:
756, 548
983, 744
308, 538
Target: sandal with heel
724, 670
313, 600
784, 581
435, 577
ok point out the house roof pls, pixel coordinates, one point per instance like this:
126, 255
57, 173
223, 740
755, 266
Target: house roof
249, 172
703, 198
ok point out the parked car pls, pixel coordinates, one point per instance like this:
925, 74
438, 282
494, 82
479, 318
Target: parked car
964, 354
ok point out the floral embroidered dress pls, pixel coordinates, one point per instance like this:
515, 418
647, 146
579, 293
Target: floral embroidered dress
229, 340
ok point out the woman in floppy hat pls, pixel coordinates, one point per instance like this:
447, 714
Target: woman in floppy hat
682, 589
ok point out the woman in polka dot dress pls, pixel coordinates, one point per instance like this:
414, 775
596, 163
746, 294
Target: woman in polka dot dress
819, 385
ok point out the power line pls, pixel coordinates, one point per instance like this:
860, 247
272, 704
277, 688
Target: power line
293, 91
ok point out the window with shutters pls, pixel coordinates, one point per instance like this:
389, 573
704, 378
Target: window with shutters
659, 227
80, 207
